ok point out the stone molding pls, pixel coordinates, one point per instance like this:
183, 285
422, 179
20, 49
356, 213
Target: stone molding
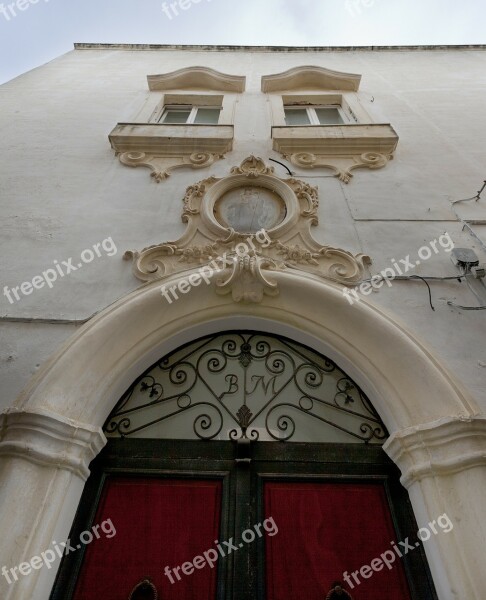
439, 448
307, 78
197, 78
142, 327
50, 440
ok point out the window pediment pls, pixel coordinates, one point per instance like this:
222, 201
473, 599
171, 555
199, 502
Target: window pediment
197, 78
306, 78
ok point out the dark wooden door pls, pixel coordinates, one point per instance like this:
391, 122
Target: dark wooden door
277, 521
337, 508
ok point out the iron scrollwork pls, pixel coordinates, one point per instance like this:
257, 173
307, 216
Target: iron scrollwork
247, 383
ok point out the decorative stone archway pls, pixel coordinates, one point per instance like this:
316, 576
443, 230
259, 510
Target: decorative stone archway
54, 430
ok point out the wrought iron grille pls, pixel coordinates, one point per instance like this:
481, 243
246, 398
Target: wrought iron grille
246, 385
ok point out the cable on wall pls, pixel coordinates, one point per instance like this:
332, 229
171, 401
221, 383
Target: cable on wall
424, 278
476, 197
283, 165
450, 303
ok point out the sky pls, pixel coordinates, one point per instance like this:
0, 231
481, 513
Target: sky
33, 32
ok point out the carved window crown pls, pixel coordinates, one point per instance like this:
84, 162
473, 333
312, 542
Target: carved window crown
197, 78
310, 78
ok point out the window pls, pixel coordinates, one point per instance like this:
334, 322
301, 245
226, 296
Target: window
191, 109
315, 115
186, 114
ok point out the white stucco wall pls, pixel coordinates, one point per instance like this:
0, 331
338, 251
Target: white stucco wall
62, 190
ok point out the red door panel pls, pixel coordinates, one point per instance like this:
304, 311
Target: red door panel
326, 529
158, 522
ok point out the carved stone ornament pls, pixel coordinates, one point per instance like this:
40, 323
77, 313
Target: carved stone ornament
162, 166
197, 78
342, 167
163, 148
310, 78
242, 260
342, 149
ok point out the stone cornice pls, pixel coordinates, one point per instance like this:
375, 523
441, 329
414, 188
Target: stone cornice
285, 49
443, 447
50, 440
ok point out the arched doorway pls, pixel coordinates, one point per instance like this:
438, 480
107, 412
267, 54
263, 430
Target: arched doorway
52, 434
240, 466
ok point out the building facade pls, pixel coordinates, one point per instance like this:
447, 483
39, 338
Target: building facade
242, 286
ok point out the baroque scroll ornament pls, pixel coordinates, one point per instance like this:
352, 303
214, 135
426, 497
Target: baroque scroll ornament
342, 167
162, 166
248, 259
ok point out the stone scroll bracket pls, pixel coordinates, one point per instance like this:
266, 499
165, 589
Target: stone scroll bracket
164, 148
340, 148
342, 167
162, 166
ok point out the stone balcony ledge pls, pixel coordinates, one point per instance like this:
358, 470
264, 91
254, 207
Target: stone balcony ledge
167, 140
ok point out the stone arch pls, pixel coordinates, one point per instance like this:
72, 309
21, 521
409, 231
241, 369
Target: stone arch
53, 431
394, 368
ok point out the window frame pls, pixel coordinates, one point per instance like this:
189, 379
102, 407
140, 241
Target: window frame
312, 114
193, 108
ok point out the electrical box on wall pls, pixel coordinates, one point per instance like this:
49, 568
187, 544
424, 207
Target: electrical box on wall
464, 258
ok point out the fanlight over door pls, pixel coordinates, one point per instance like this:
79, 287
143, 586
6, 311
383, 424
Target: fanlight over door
246, 385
